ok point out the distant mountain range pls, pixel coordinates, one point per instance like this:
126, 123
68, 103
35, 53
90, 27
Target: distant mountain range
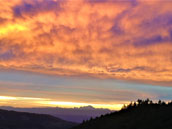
22, 120
140, 115
69, 114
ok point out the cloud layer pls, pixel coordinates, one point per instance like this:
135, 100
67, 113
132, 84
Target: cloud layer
126, 40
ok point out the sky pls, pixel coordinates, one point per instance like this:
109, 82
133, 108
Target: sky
72, 53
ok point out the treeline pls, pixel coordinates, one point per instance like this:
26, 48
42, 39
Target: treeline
142, 114
146, 102
139, 103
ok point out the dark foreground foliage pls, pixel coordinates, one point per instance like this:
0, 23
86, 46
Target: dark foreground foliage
143, 114
21, 120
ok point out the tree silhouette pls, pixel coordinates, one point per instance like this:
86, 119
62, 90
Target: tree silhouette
142, 114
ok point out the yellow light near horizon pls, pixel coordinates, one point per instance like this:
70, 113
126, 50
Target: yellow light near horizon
67, 103
42, 102
75, 104
20, 98
109, 106
7, 98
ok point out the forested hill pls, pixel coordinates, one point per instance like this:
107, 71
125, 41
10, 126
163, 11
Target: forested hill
139, 115
22, 120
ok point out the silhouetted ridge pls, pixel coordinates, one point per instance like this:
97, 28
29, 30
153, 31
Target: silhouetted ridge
22, 120
143, 114
69, 114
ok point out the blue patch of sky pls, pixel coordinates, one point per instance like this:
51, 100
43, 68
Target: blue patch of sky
55, 83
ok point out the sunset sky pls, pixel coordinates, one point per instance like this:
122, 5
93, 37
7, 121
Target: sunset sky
72, 53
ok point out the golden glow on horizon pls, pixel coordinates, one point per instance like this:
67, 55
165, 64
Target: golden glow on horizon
40, 102
75, 104
7, 98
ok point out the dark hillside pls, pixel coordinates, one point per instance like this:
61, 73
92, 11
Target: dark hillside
22, 120
139, 115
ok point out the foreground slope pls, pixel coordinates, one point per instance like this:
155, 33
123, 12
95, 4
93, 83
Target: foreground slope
140, 115
22, 120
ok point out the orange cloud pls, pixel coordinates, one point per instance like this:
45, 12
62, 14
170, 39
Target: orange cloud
105, 39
